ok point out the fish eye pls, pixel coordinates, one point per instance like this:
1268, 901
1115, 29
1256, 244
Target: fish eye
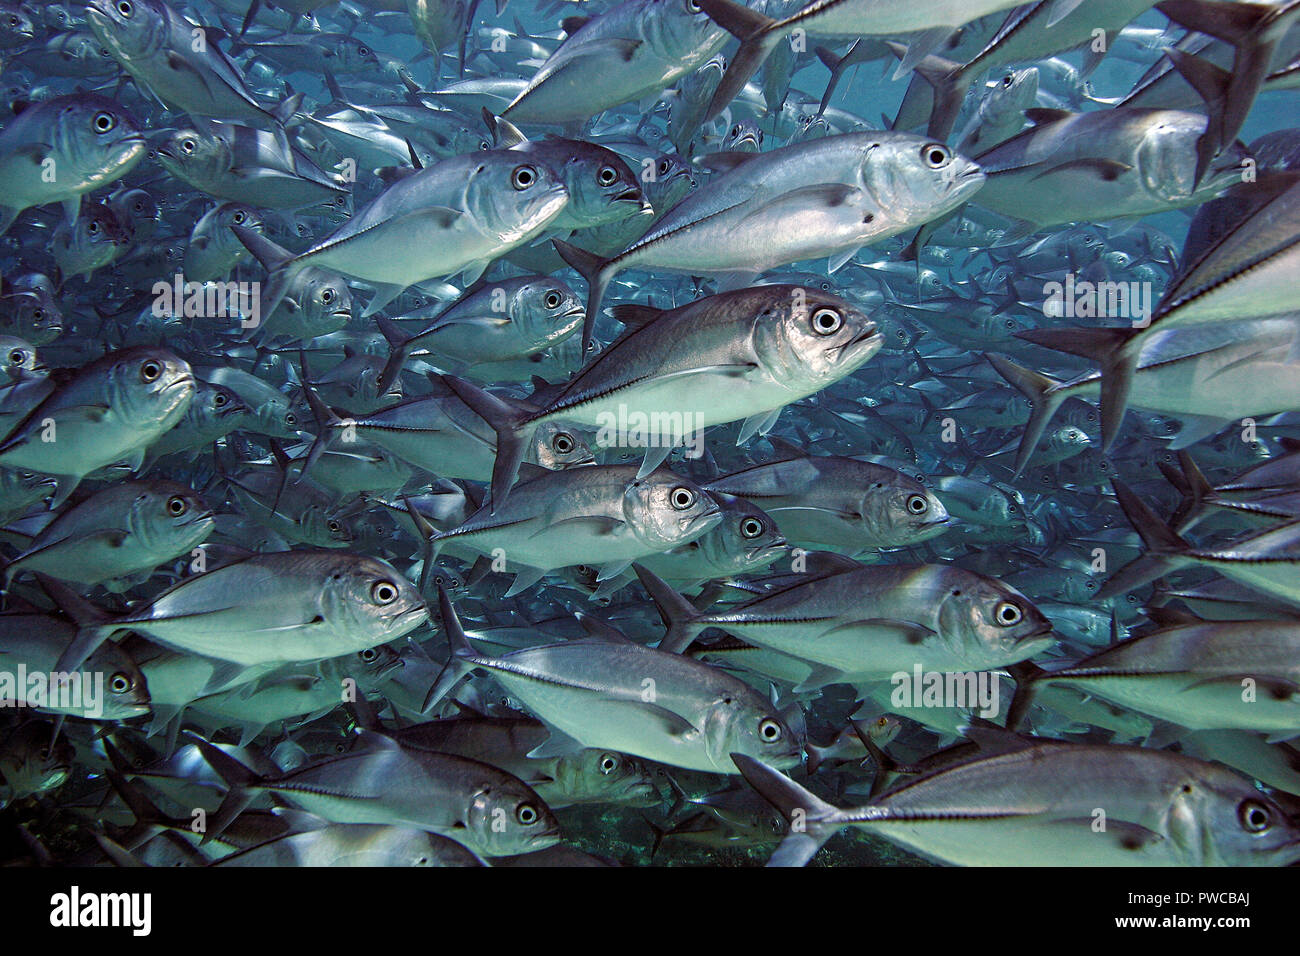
483, 144
1254, 816
124, 7
369, 655
92, 227
562, 443
151, 371
17, 357
917, 505
935, 155
608, 764
290, 419
383, 592
693, 6
219, 399
583, 570
664, 167
527, 814
1007, 80
826, 321
363, 51
735, 130
104, 121
770, 730
334, 526
1008, 614
681, 498
239, 217
751, 528
187, 145
327, 296
523, 177
607, 176
120, 683
553, 300
177, 506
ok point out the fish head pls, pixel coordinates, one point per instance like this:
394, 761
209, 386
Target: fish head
369, 596
30, 764
217, 403
16, 26
190, 155
512, 195
124, 693
546, 310
746, 539
150, 386
900, 510
606, 776
994, 623
922, 176
665, 510
602, 187
743, 137
1167, 159
506, 817
1219, 818
237, 214
17, 356
131, 29
741, 721
557, 446
168, 516
807, 338
353, 55
666, 179
327, 298
97, 138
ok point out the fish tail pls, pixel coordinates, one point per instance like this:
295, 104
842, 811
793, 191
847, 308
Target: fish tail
1113, 350
1044, 396
812, 820
512, 427
1025, 674
93, 624
758, 37
1164, 547
680, 617
950, 83
240, 779
1190, 482
597, 273
462, 658
281, 265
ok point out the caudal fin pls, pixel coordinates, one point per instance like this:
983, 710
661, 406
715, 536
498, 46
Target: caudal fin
1044, 396
758, 38
1115, 351
512, 428
596, 271
462, 658
1164, 547
812, 820
680, 617
281, 266
950, 83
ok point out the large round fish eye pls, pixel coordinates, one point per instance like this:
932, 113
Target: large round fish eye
383, 592
607, 176
1008, 614
769, 730
917, 505
124, 8
527, 814
151, 370
120, 683
751, 528
368, 656
826, 321
523, 177
562, 443
1254, 816
104, 121
681, 498
608, 763
935, 155
17, 357
553, 299
177, 506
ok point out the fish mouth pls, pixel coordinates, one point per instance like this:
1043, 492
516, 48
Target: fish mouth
869, 337
630, 195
